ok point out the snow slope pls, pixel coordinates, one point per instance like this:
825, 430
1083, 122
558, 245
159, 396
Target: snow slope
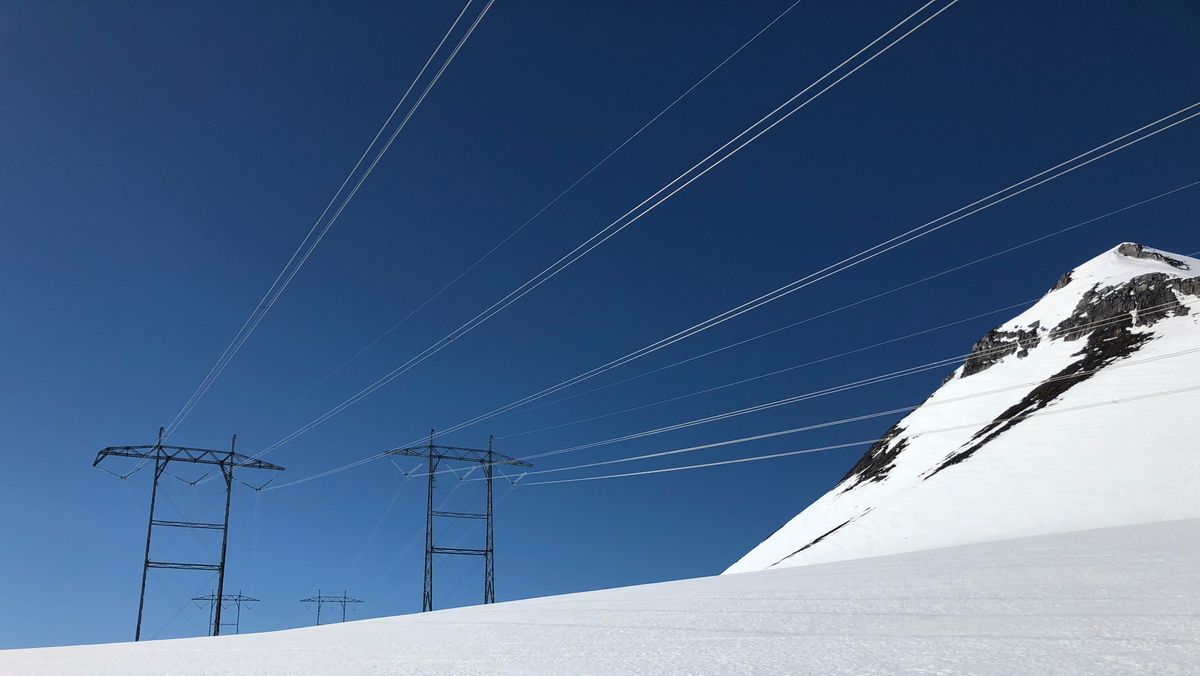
1118, 600
1023, 438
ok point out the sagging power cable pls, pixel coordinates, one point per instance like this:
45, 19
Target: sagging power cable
786, 401
1154, 309
785, 454
834, 311
316, 233
714, 159
563, 193
1061, 169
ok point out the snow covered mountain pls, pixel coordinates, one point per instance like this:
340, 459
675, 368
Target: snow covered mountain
1076, 414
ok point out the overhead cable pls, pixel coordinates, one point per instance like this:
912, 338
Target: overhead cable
316, 233
1162, 307
830, 312
787, 401
724, 152
772, 456
546, 206
1061, 169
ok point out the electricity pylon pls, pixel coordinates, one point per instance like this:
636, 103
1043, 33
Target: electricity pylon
213, 601
320, 600
485, 458
162, 456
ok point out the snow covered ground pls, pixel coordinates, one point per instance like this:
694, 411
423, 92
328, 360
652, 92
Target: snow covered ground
1117, 600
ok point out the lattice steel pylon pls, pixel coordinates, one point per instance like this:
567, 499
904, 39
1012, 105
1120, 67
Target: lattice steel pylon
485, 458
321, 599
214, 601
162, 456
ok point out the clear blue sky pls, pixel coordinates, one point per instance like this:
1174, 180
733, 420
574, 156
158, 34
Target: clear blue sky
161, 160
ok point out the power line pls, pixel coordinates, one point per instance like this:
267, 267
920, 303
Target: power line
255, 522
378, 524
832, 390
1077, 162
940, 363
768, 405
831, 423
834, 311
745, 411
785, 454
180, 605
874, 380
628, 218
546, 206
418, 535
306, 247
744, 341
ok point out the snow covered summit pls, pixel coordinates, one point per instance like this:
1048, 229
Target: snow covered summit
1078, 413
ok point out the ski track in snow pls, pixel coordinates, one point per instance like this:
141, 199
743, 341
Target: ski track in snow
1116, 600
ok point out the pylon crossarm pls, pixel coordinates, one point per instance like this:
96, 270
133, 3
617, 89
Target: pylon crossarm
476, 455
460, 515
203, 456
227, 598
188, 524
331, 599
461, 551
183, 566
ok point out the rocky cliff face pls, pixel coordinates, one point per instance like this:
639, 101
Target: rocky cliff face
926, 483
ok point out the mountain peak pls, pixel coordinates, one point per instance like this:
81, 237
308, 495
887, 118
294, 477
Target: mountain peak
1135, 250
1130, 259
1116, 266
987, 456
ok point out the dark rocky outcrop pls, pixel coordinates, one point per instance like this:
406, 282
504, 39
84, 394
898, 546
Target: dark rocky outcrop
1134, 250
1062, 281
1144, 300
817, 539
1106, 316
996, 345
877, 461
1104, 346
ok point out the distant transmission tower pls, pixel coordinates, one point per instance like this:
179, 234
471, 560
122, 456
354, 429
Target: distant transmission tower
486, 458
237, 600
320, 600
162, 456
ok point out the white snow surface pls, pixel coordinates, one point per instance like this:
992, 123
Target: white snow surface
1118, 600
1110, 465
